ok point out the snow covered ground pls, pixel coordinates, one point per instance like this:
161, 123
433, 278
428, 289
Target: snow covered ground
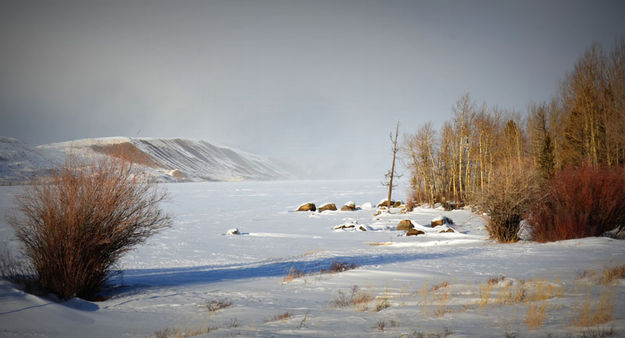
458, 284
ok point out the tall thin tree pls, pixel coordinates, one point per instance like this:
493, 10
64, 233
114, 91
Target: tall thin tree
391, 174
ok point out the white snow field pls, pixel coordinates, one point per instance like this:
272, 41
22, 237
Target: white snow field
194, 279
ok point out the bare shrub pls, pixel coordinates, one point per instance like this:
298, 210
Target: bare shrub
442, 285
507, 200
356, 298
293, 274
382, 304
581, 202
337, 266
495, 280
216, 305
597, 333
78, 224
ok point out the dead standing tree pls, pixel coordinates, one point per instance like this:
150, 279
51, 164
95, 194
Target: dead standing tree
391, 174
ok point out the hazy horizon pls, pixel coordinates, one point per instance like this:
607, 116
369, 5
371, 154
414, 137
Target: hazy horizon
319, 84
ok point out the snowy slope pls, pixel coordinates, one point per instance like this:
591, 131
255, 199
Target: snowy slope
20, 162
168, 160
200, 160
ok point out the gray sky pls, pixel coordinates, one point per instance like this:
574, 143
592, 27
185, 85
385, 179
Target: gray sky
319, 84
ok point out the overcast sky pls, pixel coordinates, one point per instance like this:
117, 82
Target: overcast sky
319, 84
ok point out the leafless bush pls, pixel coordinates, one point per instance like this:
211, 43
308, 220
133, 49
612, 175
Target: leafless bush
581, 202
77, 224
507, 200
216, 305
293, 274
337, 266
356, 298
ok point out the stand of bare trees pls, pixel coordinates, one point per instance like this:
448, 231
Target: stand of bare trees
458, 162
480, 146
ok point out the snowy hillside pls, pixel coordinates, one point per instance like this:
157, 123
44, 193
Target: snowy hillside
20, 162
169, 160
200, 160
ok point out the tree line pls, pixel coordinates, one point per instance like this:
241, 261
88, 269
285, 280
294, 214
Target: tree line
584, 124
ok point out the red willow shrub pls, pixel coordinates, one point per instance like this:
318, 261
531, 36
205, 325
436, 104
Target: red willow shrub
76, 225
580, 202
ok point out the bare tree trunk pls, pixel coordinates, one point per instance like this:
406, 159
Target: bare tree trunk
390, 183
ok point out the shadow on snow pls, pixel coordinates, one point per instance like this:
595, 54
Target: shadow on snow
171, 277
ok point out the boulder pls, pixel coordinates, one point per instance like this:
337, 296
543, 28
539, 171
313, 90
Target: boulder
307, 207
414, 232
327, 206
525, 232
405, 224
451, 205
350, 227
397, 204
441, 220
344, 226
616, 233
349, 206
234, 231
448, 230
384, 203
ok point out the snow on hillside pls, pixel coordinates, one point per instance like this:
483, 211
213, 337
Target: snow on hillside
20, 162
168, 160
460, 284
200, 160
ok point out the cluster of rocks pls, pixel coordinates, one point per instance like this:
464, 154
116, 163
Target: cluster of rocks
408, 226
394, 204
350, 226
349, 206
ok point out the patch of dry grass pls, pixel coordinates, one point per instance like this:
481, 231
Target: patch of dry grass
280, 317
535, 315
442, 285
183, 332
357, 298
601, 312
612, 274
379, 243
